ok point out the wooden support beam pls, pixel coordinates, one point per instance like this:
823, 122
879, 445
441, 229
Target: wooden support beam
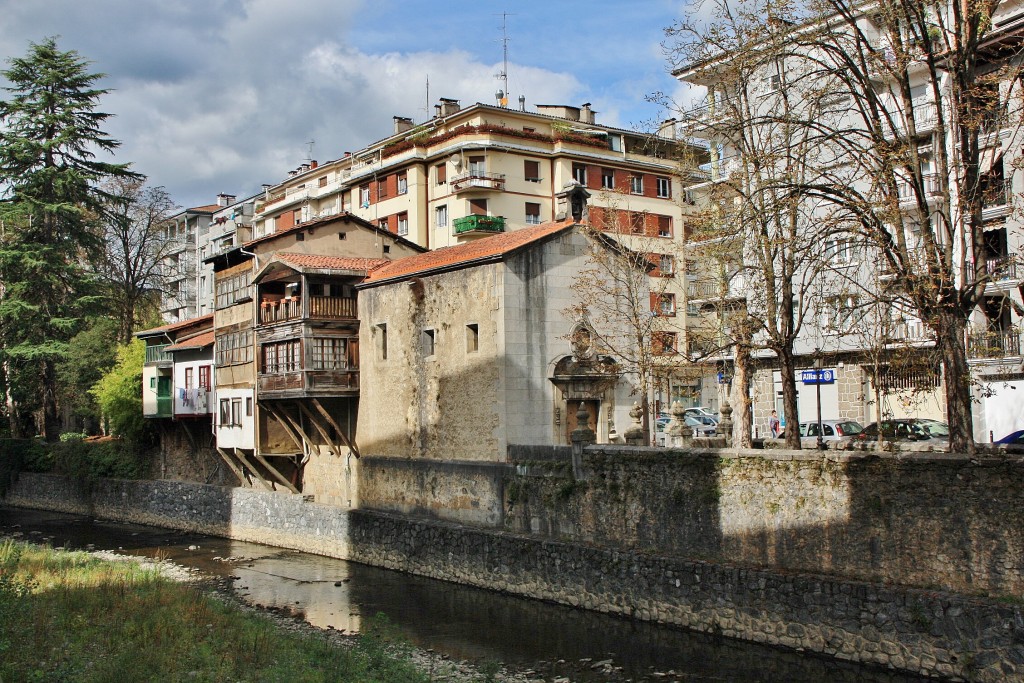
242, 479
276, 474
327, 416
257, 477
315, 420
276, 414
310, 446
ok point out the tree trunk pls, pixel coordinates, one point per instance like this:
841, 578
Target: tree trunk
13, 414
743, 415
957, 378
787, 367
51, 416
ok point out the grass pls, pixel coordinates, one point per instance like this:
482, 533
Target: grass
70, 616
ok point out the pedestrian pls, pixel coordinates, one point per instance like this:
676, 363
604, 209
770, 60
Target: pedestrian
774, 426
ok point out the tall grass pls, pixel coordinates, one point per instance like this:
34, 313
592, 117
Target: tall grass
68, 616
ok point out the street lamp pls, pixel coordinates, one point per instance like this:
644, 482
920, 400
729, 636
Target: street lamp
817, 387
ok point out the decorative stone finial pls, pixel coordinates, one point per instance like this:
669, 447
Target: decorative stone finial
635, 434
583, 434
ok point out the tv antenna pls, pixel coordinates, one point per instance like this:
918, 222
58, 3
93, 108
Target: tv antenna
309, 149
503, 74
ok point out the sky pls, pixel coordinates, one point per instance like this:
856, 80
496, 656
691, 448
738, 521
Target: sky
212, 96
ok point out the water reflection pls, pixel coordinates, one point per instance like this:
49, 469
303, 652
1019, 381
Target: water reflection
463, 622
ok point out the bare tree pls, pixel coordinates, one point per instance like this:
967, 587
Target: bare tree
134, 248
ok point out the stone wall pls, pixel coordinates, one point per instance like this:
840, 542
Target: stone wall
915, 519
924, 631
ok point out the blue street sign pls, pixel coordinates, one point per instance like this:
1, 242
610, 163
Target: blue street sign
818, 376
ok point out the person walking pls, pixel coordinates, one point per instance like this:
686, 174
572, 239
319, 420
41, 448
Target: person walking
774, 426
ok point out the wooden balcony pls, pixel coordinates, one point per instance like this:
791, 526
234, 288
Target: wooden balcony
309, 382
477, 180
156, 354
320, 307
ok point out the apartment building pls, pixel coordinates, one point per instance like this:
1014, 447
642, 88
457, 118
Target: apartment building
863, 342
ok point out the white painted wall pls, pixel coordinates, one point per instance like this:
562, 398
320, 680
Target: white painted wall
236, 435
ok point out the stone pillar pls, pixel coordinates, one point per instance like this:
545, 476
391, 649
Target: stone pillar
676, 425
725, 423
635, 434
582, 436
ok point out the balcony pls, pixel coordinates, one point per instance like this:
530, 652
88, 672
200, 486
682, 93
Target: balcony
994, 344
479, 224
156, 354
164, 407
320, 308
907, 195
996, 197
477, 180
1000, 268
309, 382
702, 290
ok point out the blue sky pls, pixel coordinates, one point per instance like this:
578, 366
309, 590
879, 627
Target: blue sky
222, 95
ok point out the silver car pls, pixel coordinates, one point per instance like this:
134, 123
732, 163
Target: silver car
831, 430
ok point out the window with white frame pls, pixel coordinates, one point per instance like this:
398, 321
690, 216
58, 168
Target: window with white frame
532, 213
666, 304
403, 223
364, 195
579, 174
636, 184
839, 250
664, 186
441, 216
667, 264
330, 353
608, 178
403, 183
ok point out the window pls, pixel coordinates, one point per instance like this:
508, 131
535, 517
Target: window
440, 174
322, 181
236, 411
234, 347
330, 353
608, 178
382, 223
615, 142
665, 304
477, 167
403, 183
531, 171
441, 216
579, 174
234, 288
636, 184
839, 250
204, 376
189, 378
364, 196
382, 344
478, 207
472, 338
225, 412
689, 198
665, 343
773, 81
527, 129
282, 357
667, 265
382, 188
248, 406
664, 186
403, 223
532, 213
427, 342
664, 226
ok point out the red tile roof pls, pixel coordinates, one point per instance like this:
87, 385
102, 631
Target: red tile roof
462, 255
200, 341
180, 325
330, 262
208, 208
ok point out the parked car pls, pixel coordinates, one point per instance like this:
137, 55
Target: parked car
1013, 438
831, 430
703, 428
701, 411
908, 429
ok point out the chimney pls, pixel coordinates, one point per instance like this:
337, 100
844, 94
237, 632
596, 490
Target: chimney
225, 199
437, 111
292, 173
303, 168
586, 113
402, 124
667, 129
347, 155
449, 106
522, 103
313, 164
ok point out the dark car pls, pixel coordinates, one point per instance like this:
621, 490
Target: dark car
910, 429
1013, 438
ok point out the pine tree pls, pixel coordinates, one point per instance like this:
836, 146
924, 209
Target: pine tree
51, 201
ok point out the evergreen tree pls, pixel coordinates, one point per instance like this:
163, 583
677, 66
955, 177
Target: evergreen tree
50, 205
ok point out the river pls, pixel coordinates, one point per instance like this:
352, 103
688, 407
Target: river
462, 622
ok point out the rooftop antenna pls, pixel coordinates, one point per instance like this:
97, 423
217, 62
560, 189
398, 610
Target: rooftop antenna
309, 149
503, 75
426, 108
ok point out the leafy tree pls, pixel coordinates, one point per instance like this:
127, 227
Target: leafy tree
119, 393
91, 353
51, 199
130, 269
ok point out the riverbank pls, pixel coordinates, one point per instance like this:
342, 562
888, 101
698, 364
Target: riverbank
93, 615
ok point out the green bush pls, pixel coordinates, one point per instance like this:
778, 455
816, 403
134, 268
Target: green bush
87, 461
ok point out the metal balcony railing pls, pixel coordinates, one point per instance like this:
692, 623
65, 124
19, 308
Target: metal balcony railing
997, 193
478, 180
1001, 267
994, 343
477, 223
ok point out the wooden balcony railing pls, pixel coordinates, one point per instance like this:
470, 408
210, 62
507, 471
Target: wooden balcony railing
310, 382
332, 307
279, 310
156, 354
478, 180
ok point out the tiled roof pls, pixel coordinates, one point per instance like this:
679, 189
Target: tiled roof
200, 341
330, 262
209, 208
343, 216
174, 327
463, 254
